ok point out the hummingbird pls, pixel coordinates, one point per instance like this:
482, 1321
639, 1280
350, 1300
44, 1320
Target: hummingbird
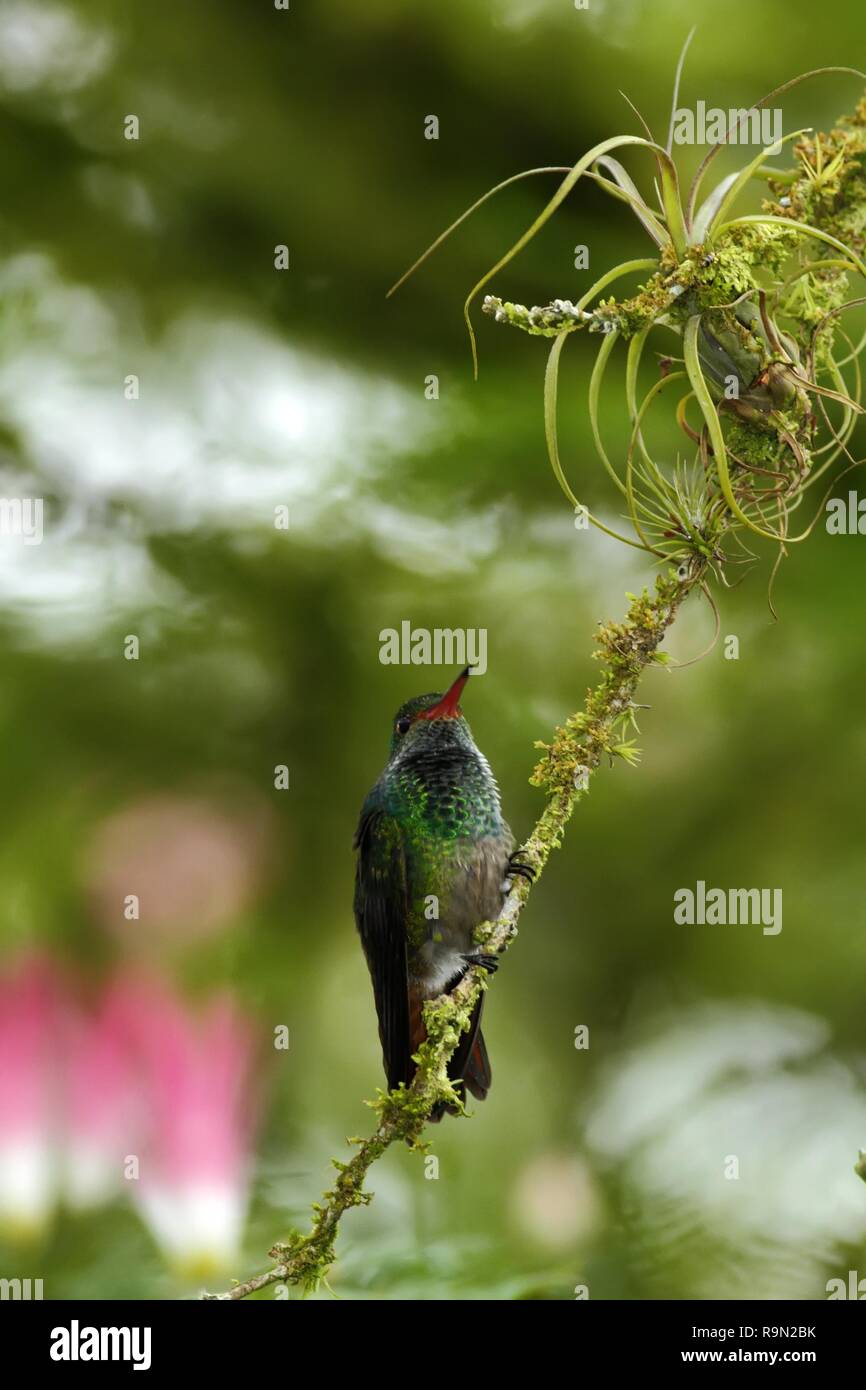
435, 860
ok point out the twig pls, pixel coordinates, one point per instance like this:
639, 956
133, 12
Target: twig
579, 746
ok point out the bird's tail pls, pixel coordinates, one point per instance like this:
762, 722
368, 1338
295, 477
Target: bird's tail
477, 1074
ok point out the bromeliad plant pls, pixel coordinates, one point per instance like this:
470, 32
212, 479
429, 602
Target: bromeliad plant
751, 305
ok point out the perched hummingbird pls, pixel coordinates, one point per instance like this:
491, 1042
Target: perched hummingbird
434, 854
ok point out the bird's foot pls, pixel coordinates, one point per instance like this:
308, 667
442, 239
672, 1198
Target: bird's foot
487, 962
517, 869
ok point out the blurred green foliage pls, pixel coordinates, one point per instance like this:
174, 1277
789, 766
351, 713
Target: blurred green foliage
260, 647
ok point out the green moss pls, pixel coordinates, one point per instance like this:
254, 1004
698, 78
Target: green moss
547, 321
829, 190
625, 649
762, 449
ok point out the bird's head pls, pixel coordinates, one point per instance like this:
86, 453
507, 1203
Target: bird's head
429, 720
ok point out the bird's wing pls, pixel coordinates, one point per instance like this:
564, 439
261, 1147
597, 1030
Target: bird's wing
381, 914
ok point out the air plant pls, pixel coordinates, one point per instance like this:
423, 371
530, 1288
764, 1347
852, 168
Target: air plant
751, 305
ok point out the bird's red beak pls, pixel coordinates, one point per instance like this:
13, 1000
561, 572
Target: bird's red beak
449, 706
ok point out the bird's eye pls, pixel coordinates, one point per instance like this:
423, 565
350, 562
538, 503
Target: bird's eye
403, 725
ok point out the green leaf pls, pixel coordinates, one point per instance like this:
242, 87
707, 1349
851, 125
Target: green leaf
711, 416
551, 381
724, 194
676, 225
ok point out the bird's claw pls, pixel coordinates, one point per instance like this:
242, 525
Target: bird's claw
517, 869
487, 962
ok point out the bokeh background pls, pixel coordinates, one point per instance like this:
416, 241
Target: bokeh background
151, 1038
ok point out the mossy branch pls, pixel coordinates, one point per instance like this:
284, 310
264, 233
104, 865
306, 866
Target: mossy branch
597, 732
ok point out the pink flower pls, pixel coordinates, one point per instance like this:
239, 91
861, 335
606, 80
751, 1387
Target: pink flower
101, 1103
143, 1088
195, 1071
30, 1050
